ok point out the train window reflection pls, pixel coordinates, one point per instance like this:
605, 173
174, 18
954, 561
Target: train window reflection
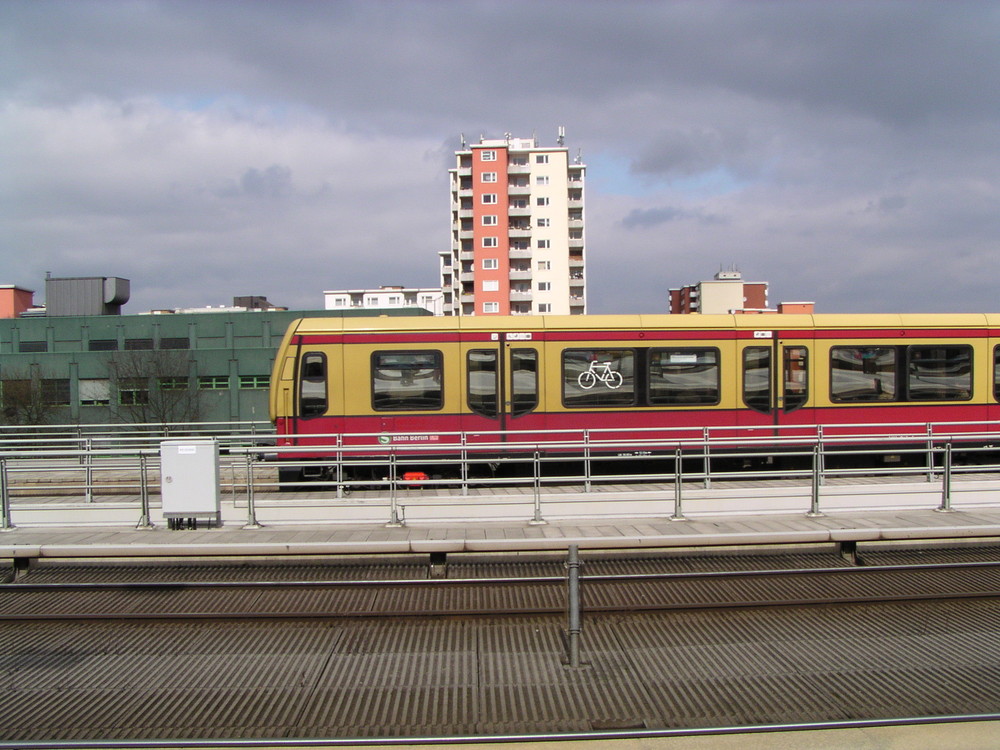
482, 382
939, 373
407, 380
683, 376
312, 385
757, 378
863, 373
598, 377
524, 381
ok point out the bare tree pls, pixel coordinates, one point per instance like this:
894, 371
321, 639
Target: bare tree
29, 399
154, 387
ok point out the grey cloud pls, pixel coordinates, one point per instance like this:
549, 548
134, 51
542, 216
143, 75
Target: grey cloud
642, 218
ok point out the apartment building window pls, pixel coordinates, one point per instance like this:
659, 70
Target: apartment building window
541, 201
489, 176
173, 383
491, 285
544, 244
544, 286
490, 242
545, 265
545, 307
544, 222
55, 391
33, 346
490, 220
95, 392
542, 180
489, 155
175, 342
541, 158
489, 198
103, 345
491, 264
491, 307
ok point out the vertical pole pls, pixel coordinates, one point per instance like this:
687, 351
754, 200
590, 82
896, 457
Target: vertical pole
930, 453
144, 522
537, 519
90, 470
251, 506
945, 506
822, 454
814, 501
678, 484
708, 458
393, 500
573, 586
464, 467
5, 522
586, 461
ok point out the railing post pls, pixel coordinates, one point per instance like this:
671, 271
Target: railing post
394, 519
817, 466
144, 522
930, 453
536, 463
707, 451
252, 522
573, 597
5, 522
945, 506
678, 514
464, 465
822, 454
586, 461
89, 447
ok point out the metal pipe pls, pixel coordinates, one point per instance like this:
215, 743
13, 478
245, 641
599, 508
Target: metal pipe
5, 522
573, 598
394, 519
144, 522
536, 463
678, 485
814, 511
251, 506
945, 506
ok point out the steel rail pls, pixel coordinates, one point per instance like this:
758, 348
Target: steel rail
619, 602
493, 739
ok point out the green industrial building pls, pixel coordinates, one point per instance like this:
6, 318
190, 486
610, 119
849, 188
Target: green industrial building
172, 367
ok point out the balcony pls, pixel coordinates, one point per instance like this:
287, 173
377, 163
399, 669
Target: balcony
520, 274
520, 254
517, 189
519, 233
576, 243
513, 168
520, 295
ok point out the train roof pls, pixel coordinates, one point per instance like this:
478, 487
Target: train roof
500, 323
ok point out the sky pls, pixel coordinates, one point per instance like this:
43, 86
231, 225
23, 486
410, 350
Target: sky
847, 152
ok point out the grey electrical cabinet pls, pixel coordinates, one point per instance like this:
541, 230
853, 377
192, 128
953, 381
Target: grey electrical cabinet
189, 481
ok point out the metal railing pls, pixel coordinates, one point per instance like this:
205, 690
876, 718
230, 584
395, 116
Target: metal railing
126, 463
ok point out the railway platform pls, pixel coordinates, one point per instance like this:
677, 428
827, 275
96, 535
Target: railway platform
847, 529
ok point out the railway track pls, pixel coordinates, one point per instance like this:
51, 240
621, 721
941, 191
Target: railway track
608, 586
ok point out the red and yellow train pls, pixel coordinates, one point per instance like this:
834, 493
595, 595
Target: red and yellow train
379, 381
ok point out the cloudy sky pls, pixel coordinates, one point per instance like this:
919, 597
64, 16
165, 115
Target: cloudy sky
846, 152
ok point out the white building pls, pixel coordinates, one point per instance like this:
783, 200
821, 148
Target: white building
517, 239
385, 296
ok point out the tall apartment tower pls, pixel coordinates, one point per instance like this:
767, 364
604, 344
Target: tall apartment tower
517, 239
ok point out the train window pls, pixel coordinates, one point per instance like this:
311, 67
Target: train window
757, 378
683, 376
598, 377
796, 377
863, 373
939, 373
312, 385
407, 380
996, 373
482, 382
524, 381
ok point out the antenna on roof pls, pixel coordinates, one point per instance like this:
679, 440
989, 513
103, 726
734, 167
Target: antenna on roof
462, 136
562, 135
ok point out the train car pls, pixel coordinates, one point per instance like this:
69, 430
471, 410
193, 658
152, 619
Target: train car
440, 381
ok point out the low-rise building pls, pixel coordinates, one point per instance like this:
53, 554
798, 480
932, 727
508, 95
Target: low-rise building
389, 297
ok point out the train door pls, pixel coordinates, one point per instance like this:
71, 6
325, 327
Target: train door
774, 384
502, 385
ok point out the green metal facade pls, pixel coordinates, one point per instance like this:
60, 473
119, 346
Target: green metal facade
229, 356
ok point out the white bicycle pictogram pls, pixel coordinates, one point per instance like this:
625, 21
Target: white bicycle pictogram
600, 372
